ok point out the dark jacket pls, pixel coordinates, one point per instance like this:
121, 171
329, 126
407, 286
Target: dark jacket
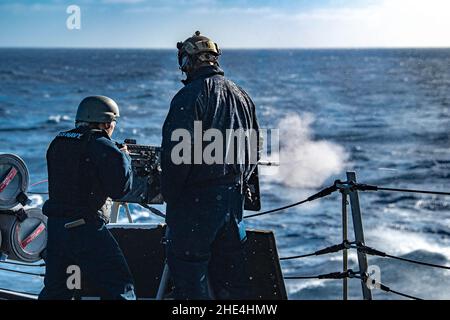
219, 104
85, 168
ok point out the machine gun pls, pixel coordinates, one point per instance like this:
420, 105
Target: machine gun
146, 165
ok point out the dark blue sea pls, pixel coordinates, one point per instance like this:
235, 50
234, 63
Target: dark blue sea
382, 113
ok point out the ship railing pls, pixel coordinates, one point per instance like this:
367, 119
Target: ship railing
349, 190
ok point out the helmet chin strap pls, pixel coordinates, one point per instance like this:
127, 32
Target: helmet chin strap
186, 64
189, 66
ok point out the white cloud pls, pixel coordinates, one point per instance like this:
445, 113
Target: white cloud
410, 23
349, 23
35, 7
149, 9
380, 23
210, 10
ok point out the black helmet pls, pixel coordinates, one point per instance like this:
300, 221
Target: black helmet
197, 49
99, 109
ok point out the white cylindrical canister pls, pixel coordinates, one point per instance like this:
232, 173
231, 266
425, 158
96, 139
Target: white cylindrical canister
24, 234
14, 181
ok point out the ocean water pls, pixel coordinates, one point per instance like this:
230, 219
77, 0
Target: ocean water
382, 113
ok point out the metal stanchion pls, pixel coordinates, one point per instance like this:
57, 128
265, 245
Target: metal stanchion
359, 233
163, 283
115, 210
344, 239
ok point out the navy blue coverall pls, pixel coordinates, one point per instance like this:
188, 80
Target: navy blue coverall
205, 239
85, 168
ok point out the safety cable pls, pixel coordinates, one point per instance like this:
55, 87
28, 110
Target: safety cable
38, 183
23, 272
153, 210
368, 187
384, 288
299, 257
364, 278
23, 264
336, 186
327, 276
276, 210
350, 274
321, 194
18, 292
371, 251
331, 249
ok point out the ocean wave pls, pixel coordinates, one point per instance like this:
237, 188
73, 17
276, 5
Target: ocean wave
437, 231
22, 129
402, 242
393, 199
144, 95
296, 287
55, 119
435, 204
4, 112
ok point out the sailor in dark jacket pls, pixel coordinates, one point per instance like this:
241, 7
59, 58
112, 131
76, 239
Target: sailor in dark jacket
85, 168
205, 199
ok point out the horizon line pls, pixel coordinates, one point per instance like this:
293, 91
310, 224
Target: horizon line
231, 48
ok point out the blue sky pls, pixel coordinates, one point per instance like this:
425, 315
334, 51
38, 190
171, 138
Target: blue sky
232, 23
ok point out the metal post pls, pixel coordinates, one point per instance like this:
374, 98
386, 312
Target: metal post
344, 239
127, 210
163, 283
115, 210
359, 234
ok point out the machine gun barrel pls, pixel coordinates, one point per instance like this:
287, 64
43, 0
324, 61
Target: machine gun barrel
268, 163
146, 164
